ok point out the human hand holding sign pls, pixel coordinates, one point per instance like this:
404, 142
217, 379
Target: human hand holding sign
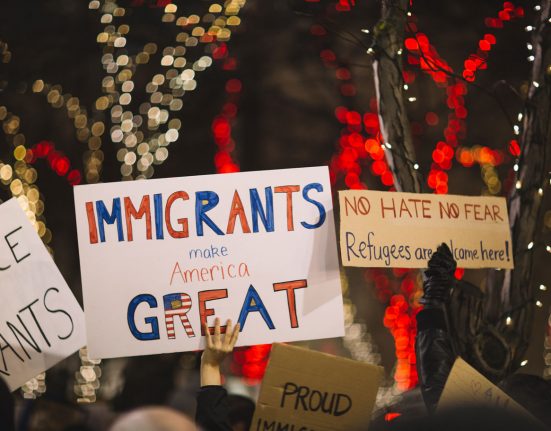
217, 347
439, 277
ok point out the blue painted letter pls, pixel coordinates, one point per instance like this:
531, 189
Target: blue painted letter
152, 321
158, 203
267, 216
254, 303
201, 208
104, 216
318, 187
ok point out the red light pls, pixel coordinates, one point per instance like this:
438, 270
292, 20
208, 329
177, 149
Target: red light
342, 73
74, 177
459, 272
353, 118
431, 118
484, 45
318, 30
411, 44
391, 416
62, 165
514, 148
387, 179
233, 86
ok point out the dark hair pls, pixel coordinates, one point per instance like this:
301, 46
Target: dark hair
7, 408
241, 410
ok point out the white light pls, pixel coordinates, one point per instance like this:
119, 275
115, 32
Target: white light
519, 116
409, 14
515, 167
523, 363
516, 129
543, 287
399, 52
518, 185
537, 7
529, 46
365, 30
528, 28
370, 51
540, 191
412, 99
549, 20
530, 245
388, 145
536, 84
406, 86
416, 166
508, 321
548, 249
531, 58
539, 304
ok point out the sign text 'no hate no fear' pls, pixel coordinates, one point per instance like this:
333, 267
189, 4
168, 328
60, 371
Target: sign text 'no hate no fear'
388, 229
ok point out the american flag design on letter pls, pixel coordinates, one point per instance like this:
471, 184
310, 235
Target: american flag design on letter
177, 304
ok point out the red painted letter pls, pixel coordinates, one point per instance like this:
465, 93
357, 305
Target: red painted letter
130, 212
92, 227
290, 287
204, 312
237, 210
184, 233
289, 190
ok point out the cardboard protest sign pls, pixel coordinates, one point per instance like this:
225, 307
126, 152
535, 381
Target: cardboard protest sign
160, 256
303, 389
42, 322
388, 229
465, 385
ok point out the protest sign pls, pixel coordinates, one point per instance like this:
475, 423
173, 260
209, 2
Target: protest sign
465, 385
388, 229
160, 256
303, 389
42, 322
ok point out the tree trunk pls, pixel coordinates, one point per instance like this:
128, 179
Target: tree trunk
509, 293
515, 289
387, 66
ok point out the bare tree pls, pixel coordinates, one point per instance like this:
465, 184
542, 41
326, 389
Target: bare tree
482, 325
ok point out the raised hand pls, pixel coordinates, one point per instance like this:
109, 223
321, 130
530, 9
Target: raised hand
217, 347
439, 277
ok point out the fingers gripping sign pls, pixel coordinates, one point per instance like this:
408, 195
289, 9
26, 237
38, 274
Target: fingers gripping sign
217, 347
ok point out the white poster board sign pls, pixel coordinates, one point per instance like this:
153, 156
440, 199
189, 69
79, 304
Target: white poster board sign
390, 229
160, 256
42, 322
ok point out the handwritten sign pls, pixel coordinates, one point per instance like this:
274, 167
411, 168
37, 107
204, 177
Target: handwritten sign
465, 385
303, 389
386, 229
41, 322
159, 257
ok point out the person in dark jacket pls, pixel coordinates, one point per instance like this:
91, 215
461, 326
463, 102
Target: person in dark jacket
433, 344
216, 410
436, 352
7, 408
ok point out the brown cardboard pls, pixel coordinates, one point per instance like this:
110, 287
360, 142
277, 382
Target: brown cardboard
351, 389
465, 385
389, 229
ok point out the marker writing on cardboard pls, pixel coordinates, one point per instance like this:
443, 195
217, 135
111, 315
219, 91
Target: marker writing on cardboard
313, 400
